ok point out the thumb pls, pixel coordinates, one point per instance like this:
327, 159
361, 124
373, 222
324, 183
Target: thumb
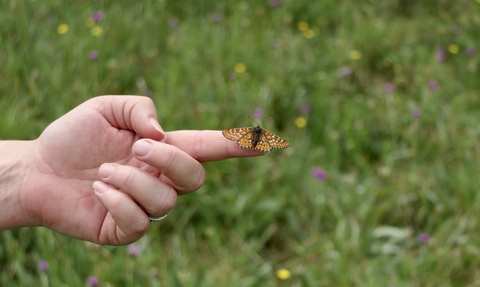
135, 113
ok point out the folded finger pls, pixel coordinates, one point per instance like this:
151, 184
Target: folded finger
129, 222
178, 168
130, 113
155, 197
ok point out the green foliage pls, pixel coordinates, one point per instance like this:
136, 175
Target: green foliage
364, 68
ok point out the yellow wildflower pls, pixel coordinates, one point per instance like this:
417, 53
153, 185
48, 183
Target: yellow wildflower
62, 29
309, 34
453, 48
283, 274
240, 68
97, 31
356, 54
301, 122
303, 26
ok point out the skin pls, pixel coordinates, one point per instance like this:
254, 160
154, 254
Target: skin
99, 171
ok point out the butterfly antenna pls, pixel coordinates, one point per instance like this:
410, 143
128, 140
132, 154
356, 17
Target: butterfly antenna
253, 120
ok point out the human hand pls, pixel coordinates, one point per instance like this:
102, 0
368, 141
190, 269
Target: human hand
115, 144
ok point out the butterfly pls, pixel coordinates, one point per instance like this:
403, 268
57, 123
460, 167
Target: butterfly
255, 138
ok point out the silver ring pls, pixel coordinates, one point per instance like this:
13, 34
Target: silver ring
157, 219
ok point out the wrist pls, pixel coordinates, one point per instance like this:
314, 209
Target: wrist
15, 166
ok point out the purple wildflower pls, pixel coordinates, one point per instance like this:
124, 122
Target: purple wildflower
43, 265
154, 272
457, 30
441, 56
433, 85
98, 16
232, 76
471, 51
133, 250
423, 238
346, 71
218, 17
93, 55
173, 22
274, 3
415, 112
319, 173
305, 109
92, 281
257, 113
389, 87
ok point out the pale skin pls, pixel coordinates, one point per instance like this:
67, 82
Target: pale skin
101, 170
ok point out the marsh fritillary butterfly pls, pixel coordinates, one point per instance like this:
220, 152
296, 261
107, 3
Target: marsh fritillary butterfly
255, 138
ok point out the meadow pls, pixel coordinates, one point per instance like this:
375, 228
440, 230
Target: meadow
379, 100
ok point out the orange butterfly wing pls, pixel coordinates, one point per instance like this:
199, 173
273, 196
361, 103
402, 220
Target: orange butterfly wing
236, 133
263, 144
275, 141
245, 139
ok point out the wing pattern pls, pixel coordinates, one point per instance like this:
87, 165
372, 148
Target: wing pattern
245, 138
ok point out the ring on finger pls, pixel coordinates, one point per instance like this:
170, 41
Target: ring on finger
158, 218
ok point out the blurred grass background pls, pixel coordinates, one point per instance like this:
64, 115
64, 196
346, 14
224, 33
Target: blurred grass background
378, 99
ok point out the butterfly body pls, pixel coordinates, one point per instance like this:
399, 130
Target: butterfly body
255, 138
257, 133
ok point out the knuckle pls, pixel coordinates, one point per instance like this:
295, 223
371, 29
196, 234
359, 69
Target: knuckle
116, 203
168, 199
197, 148
147, 100
170, 156
129, 178
140, 227
199, 178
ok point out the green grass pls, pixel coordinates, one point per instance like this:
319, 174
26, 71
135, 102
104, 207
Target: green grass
253, 216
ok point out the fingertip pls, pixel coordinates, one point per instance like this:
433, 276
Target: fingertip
144, 119
131, 220
106, 170
152, 130
157, 126
141, 148
100, 187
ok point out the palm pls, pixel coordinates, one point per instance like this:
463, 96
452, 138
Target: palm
71, 151
86, 143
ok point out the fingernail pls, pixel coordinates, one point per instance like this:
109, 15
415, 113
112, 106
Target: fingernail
156, 125
142, 148
106, 170
100, 187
